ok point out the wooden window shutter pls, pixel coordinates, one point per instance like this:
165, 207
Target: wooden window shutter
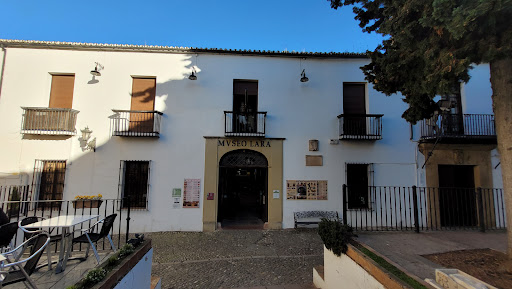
143, 94
61, 95
143, 99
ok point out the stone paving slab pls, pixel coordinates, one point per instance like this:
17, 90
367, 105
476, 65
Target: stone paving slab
236, 259
406, 248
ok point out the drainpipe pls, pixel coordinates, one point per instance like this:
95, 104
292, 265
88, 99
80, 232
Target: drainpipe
3, 68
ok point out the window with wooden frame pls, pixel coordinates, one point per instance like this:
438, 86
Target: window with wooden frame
358, 191
61, 94
142, 105
134, 183
48, 181
354, 108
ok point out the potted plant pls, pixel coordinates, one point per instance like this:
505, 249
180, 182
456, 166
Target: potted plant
81, 202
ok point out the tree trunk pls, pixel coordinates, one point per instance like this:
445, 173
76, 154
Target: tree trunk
501, 82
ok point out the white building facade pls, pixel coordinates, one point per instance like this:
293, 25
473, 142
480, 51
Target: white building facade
247, 138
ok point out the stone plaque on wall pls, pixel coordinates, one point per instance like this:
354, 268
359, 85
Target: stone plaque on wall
312, 161
306, 190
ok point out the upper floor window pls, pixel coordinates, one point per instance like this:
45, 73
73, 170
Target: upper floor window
61, 94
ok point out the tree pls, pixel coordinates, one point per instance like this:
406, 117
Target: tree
428, 49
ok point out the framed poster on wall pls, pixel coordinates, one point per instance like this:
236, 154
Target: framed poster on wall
191, 193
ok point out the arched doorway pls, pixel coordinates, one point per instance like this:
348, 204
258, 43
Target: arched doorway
243, 195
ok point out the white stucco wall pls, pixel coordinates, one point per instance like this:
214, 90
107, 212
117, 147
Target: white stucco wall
193, 109
342, 272
140, 275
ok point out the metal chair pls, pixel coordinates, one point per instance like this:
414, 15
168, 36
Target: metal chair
7, 232
12, 270
28, 233
3, 217
91, 238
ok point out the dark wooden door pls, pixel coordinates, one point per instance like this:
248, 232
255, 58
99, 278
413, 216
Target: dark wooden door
457, 197
354, 109
357, 184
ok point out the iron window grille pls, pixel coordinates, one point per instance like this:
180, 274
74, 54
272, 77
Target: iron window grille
48, 182
134, 183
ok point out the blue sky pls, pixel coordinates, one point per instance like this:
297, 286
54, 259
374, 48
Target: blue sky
299, 25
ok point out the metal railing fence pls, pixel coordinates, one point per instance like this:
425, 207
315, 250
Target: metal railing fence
389, 208
457, 125
26, 207
49, 121
244, 124
360, 126
135, 123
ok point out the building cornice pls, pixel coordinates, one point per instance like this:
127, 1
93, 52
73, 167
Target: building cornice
34, 44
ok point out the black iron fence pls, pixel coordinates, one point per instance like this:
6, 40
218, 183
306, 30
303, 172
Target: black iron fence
18, 208
244, 124
360, 126
459, 126
49, 121
384, 208
135, 123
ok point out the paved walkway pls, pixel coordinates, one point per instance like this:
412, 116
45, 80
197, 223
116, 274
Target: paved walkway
235, 259
406, 248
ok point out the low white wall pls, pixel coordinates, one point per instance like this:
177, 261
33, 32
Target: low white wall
342, 272
140, 275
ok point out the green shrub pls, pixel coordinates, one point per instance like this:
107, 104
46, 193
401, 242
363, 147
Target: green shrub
126, 250
335, 235
95, 276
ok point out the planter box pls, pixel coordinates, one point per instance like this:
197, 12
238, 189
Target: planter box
87, 204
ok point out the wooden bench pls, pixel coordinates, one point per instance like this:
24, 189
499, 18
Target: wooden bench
313, 217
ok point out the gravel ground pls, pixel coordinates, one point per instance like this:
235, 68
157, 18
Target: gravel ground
233, 259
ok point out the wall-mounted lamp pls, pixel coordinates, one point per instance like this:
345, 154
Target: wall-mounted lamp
96, 70
303, 77
85, 144
193, 75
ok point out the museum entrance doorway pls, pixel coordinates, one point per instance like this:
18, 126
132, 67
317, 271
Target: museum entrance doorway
243, 196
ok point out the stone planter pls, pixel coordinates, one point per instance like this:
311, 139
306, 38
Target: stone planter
81, 204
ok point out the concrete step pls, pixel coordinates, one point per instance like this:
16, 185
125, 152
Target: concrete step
453, 278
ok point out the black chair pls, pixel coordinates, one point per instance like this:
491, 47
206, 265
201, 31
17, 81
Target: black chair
3, 217
19, 273
7, 232
28, 233
92, 238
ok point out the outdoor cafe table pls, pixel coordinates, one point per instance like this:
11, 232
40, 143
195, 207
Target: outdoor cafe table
65, 222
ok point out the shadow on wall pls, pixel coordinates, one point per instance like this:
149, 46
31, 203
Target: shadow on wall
87, 172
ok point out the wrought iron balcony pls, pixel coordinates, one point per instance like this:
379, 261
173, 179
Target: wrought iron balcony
459, 128
360, 126
244, 124
48, 121
135, 123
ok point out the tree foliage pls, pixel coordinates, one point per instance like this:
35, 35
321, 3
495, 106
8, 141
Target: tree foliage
430, 45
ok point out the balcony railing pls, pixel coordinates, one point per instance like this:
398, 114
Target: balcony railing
244, 124
458, 126
48, 121
135, 123
360, 126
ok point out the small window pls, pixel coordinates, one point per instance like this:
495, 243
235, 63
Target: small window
48, 180
357, 186
134, 183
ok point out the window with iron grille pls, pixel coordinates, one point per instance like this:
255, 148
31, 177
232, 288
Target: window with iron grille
134, 183
358, 191
48, 181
